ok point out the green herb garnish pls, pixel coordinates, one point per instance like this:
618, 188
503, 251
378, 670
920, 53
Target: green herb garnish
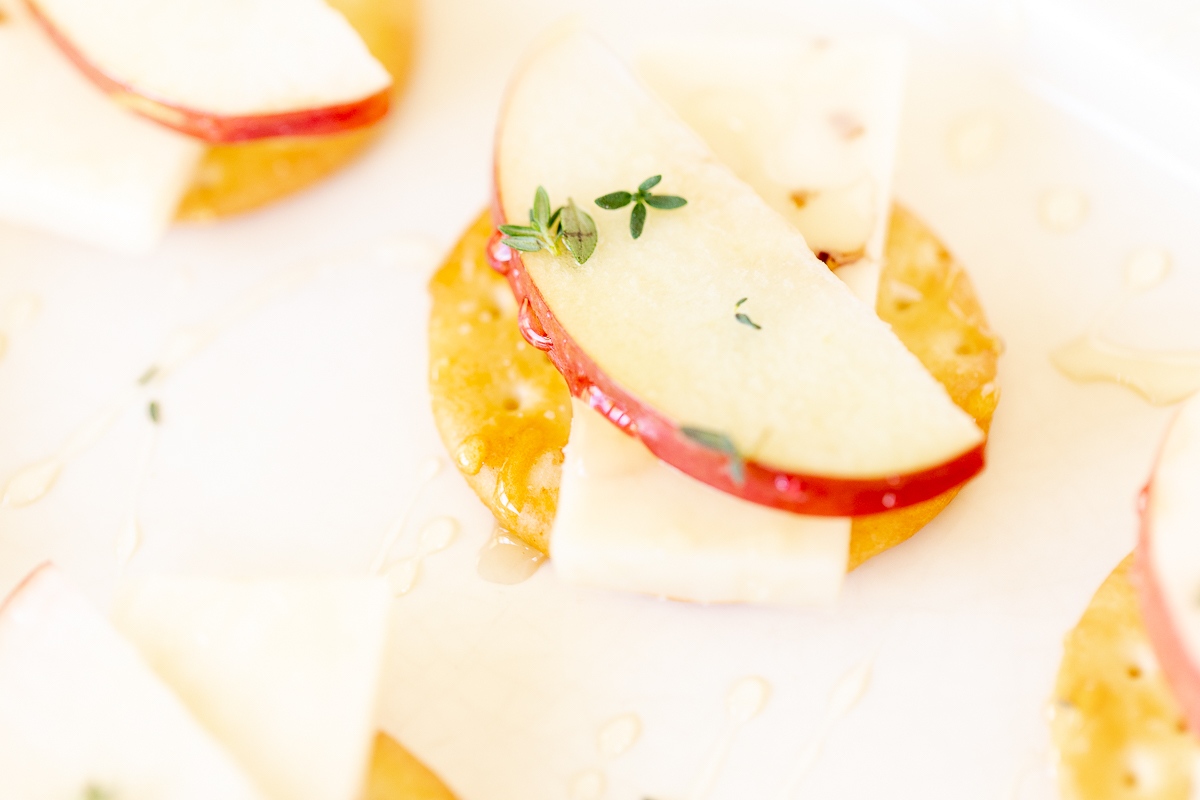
152, 410
150, 374
94, 792
743, 318
568, 226
640, 199
715, 440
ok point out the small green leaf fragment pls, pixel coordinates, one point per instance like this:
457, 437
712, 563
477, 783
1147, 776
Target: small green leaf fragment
541, 208
526, 244
150, 374
517, 230
649, 183
715, 440
554, 218
153, 411
615, 200
578, 232
745, 320
637, 220
665, 202
738, 304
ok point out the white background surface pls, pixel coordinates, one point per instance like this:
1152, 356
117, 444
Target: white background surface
290, 444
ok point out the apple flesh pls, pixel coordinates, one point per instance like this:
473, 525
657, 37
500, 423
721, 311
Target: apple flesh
829, 411
812, 126
79, 709
74, 164
1168, 559
224, 70
285, 672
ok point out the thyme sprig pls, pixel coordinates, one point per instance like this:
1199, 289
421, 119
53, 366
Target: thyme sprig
567, 225
744, 318
640, 199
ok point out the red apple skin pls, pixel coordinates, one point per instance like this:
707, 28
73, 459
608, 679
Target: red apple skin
814, 495
216, 128
1181, 671
24, 583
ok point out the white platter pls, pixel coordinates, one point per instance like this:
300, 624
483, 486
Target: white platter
291, 443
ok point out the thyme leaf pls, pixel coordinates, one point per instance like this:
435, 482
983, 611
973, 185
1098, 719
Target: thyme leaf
715, 440
578, 231
640, 199
566, 225
745, 318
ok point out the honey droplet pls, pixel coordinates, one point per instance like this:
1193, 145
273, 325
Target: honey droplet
507, 560
588, 785
619, 735
1062, 210
1146, 268
975, 140
470, 454
747, 698
31, 483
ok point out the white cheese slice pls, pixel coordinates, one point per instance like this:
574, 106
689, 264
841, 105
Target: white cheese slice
811, 126
285, 672
72, 162
628, 522
80, 710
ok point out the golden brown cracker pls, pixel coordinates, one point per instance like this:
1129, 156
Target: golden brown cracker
1118, 730
233, 178
492, 391
395, 774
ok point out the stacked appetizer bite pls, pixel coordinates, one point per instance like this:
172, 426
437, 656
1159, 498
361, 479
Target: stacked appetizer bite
199, 688
1127, 702
125, 114
743, 428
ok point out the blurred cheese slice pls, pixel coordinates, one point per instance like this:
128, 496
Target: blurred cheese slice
80, 710
812, 126
285, 672
628, 522
72, 162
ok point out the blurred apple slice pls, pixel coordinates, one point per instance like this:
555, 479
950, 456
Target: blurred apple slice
71, 162
1168, 559
284, 672
817, 407
80, 710
812, 126
224, 70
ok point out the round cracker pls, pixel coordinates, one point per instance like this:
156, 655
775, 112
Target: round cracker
1117, 728
504, 411
233, 178
395, 774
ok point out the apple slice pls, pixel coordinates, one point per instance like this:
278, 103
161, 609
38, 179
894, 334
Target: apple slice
80, 710
628, 522
817, 407
74, 164
285, 672
811, 126
225, 70
1168, 559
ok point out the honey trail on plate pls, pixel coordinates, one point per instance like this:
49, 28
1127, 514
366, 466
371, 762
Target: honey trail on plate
844, 696
435, 536
1162, 378
745, 701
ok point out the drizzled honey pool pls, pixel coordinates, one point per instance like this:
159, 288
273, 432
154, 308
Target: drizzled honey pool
504, 413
